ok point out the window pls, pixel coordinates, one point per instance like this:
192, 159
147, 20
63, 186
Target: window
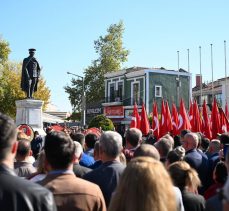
219, 98
135, 92
120, 91
112, 92
158, 91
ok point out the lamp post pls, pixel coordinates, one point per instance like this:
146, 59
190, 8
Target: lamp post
83, 104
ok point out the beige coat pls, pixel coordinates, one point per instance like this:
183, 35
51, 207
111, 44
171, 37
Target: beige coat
72, 193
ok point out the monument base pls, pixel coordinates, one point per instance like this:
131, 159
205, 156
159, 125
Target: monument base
29, 112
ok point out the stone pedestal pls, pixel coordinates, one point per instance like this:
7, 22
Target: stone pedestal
29, 112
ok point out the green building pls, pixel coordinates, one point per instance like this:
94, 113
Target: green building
139, 84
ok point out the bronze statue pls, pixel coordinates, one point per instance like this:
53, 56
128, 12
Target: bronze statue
30, 74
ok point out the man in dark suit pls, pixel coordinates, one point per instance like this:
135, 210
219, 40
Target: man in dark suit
79, 170
70, 193
30, 74
195, 159
213, 158
133, 139
17, 193
108, 174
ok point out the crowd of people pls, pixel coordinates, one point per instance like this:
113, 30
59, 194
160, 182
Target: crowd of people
70, 170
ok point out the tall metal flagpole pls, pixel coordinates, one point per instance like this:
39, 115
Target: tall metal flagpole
212, 74
178, 60
178, 78
200, 78
225, 55
188, 61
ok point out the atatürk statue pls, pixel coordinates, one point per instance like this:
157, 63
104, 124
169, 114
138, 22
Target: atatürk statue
30, 74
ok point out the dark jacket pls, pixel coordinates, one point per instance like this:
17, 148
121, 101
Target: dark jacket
96, 164
214, 204
20, 194
199, 162
193, 202
106, 177
212, 160
79, 170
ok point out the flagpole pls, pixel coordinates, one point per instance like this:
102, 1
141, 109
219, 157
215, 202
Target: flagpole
178, 77
200, 78
188, 61
178, 60
225, 56
212, 73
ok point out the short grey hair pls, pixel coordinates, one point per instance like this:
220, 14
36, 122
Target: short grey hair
111, 143
192, 139
133, 136
164, 146
215, 145
78, 149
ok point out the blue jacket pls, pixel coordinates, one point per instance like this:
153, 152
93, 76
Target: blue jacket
86, 160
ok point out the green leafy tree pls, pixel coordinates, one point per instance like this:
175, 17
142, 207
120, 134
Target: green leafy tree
111, 55
101, 121
4, 51
10, 90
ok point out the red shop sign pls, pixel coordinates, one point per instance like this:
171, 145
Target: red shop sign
114, 111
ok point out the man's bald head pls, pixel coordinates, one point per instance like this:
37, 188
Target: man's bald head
190, 141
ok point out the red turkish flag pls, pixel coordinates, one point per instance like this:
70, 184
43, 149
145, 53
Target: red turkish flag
168, 118
155, 121
224, 122
145, 126
135, 122
175, 121
163, 126
206, 126
190, 114
196, 127
226, 111
184, 122
215, 120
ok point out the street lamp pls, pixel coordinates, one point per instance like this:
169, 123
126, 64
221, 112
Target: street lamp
83, 105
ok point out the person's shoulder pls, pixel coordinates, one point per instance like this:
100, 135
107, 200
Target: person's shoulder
118, 166
86, 184
85, 169
26, 59
192, 154
92, 174
213, 203
80, 170
194, 197
27, 187
88, 188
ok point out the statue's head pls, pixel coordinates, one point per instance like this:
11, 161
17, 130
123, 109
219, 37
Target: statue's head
32, 51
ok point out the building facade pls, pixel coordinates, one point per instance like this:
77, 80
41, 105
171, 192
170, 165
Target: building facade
139, 84
218, 89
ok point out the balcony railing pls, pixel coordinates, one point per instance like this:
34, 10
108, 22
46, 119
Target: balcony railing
124, 101
131, 101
